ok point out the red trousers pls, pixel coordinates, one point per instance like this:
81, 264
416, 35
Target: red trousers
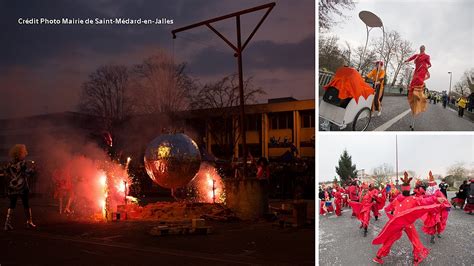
419, 251
375, 210
364, 217
338, 207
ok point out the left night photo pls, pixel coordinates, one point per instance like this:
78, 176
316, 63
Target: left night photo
137, 133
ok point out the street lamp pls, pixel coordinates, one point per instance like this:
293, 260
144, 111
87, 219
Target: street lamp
450, 78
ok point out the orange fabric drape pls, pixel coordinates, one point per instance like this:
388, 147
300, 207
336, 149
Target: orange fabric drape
350, 84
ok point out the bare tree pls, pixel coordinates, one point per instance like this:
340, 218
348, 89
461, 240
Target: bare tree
347, 53
382, 174
469, 77
160, 86
402, 53
221, 96
328, 9
458, 169
464, 85
364, 61
330, 56
392, 42
105, 94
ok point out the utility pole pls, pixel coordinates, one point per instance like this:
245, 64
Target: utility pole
396, 157
238, 53
450, 77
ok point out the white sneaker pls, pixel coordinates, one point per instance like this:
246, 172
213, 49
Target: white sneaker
379, 113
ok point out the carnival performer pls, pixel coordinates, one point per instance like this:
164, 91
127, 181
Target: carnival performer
363, 208
63, 188
17, 173
338, 194
322, 200
353, 192
416, 95
470, 198
435, 221
345, 197
402, 213
419, 191
380, 199
377, 75
443, 187
461, 195
327, 201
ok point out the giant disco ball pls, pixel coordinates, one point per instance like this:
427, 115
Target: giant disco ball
172, 160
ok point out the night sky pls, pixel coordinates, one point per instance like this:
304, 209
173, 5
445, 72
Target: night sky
43, 66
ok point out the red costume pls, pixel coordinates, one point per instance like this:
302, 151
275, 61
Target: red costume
345, 197
353, 192
416, 97
380, 198
363, 209
419, 191
338, 200
435, 221
422, 63
403, 212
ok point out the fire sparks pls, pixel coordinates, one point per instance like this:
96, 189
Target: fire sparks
113, 183
208, 185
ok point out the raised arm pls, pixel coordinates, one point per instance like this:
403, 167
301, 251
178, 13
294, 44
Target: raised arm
411, 58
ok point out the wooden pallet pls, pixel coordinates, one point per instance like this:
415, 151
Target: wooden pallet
163, 230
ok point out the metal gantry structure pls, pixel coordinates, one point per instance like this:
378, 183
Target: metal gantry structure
238, 49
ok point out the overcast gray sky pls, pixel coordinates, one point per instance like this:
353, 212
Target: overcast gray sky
445, 27
420, 153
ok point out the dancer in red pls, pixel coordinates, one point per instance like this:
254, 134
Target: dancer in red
403, 212
345, 197
337, 193
416, 95
380, 197
362, 209
435, 221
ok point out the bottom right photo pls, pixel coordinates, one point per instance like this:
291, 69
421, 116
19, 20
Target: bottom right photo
395, 199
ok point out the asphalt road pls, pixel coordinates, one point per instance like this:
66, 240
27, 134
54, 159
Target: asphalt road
341, 242
62, 241
397, 117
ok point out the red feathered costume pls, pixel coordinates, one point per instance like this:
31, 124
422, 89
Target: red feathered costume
436, 220
362, 209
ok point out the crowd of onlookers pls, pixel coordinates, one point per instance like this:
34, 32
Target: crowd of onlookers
462, 103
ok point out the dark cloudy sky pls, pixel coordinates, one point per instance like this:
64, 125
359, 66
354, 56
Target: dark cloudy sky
42, 66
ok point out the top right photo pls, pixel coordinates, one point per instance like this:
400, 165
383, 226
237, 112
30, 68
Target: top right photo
396, 65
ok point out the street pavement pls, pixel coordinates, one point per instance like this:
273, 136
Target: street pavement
396, 116
59, 240
341, 242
